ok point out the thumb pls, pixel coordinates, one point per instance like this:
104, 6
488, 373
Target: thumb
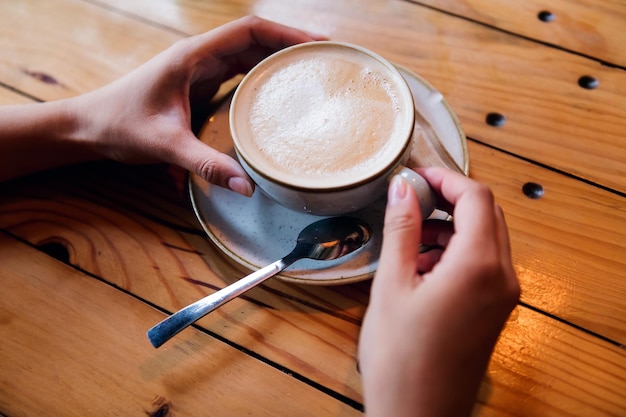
212, 165
401, 236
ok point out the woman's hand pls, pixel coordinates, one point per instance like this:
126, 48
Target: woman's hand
145, 116
434, 319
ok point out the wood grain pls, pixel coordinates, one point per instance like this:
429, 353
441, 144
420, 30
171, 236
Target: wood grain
57, 49
568, 245
89, 337
541, 367
67, 339
11, 97
170, 265
588, 27
153, 260
550, 118
133, 228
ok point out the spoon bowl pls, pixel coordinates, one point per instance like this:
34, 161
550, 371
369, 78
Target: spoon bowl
324, 240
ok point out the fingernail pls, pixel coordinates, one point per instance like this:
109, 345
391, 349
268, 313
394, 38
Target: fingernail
241, 186
397, 190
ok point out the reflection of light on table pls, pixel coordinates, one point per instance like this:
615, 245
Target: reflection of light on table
554, 293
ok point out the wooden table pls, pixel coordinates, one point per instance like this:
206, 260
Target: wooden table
92, 256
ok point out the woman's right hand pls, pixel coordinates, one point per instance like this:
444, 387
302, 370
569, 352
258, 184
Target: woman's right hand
434, 318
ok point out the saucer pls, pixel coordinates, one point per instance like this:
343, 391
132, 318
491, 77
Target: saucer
254, 232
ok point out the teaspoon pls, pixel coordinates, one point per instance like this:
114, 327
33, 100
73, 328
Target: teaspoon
326, 239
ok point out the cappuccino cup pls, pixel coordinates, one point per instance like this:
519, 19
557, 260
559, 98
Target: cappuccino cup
321, 128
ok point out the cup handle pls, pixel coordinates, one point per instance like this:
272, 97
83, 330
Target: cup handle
425, 194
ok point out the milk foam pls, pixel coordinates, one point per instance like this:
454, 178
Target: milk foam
325, 116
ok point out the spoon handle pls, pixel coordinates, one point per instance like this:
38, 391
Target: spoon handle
172, 325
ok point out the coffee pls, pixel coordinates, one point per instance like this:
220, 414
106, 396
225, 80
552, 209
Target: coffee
322, 116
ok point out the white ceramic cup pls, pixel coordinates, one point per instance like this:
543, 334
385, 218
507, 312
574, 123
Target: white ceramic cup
321, 128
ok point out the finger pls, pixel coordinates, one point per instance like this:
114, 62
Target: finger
252, 31
503, 233
215, 167
449, 185
401, 239
473, 203
505, 246
275, 35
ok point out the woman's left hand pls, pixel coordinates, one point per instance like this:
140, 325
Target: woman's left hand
145, 116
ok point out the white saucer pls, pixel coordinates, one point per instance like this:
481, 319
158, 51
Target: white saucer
255, 231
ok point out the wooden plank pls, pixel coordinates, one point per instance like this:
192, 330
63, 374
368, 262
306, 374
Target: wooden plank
590, 122
11, 97
567, 246
550, 118
58, 49
128, 237
589, 27
74, 346
88, 338
594, 28
153, 259
569, 267
541, 367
